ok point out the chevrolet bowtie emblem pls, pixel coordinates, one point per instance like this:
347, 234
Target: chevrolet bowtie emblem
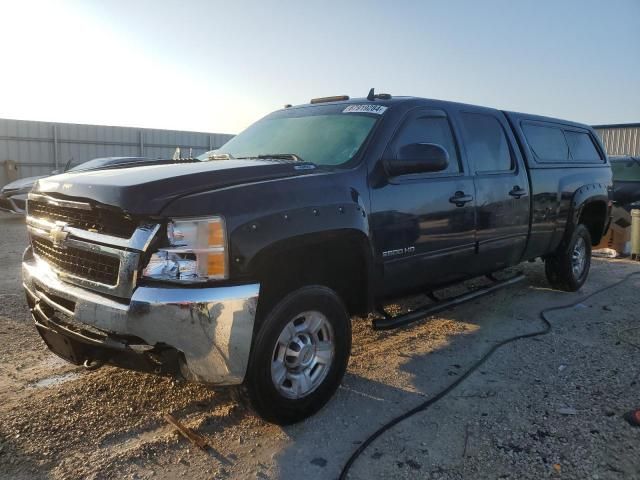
57, 235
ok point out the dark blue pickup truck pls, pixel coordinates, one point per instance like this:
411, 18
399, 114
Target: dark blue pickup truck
243, 267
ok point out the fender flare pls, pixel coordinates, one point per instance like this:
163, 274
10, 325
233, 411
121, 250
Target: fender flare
254, 242
586, 195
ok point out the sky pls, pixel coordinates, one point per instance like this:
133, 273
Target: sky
217, 66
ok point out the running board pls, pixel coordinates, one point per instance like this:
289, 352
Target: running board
389, 322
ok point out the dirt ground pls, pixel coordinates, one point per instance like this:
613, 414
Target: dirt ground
551, 406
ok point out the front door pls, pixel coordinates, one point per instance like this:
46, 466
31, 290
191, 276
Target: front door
423, 224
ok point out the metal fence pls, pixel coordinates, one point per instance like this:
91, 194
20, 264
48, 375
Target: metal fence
30, 148
621, 139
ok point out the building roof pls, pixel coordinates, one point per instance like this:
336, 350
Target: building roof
618, 125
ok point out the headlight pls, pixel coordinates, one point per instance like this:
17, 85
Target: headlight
197, 252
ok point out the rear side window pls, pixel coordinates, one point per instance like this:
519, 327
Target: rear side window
581, 147
548, 143
429, 129
486, 143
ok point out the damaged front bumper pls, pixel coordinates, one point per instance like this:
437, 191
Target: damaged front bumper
204, 333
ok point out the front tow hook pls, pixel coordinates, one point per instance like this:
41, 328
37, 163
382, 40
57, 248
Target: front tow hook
93, 364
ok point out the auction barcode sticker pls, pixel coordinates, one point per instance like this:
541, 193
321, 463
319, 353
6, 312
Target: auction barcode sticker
378, 109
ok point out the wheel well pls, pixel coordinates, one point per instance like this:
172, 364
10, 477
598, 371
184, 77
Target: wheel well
594, 216
338, 260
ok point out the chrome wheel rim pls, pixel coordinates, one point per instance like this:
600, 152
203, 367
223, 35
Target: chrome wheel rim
579, 257
302, 355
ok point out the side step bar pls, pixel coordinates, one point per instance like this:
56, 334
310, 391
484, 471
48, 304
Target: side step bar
389, 322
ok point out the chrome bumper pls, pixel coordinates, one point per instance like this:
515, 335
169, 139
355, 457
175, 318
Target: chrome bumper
212, 327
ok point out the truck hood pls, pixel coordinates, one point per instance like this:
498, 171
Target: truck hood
146, 190
25, 184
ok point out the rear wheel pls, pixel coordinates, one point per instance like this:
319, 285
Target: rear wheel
299, 355
569, 267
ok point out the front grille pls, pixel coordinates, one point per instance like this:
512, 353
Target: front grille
99, 220
91, 266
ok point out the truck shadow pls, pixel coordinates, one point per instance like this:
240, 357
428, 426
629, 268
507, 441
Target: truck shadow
411, 365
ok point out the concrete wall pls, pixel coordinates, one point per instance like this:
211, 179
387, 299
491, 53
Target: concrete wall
37, 148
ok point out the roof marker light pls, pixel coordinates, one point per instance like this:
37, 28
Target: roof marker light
337, 98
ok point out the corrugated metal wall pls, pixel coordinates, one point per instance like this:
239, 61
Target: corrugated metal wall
40, 147
621, 139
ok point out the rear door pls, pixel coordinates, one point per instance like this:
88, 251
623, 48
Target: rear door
502, 188
423, 224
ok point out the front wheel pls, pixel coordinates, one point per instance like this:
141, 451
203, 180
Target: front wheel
568, 268
299, 356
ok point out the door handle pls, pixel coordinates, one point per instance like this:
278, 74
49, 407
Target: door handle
459, 198
517, 192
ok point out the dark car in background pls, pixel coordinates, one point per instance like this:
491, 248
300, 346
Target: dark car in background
626, 180
13, 196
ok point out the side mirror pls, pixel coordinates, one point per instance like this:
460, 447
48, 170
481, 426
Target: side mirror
418, 158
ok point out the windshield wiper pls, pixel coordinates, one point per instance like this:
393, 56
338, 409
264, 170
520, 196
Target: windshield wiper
277, 156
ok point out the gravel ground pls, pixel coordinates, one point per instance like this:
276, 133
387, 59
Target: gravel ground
550, 406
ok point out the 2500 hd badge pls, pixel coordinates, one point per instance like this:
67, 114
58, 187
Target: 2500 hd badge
244, 266
399, 251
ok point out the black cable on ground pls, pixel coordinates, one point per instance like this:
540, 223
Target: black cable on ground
426, 404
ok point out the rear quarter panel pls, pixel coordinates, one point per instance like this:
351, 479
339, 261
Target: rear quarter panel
559, 190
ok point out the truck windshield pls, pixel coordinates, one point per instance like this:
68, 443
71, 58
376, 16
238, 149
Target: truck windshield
330, 140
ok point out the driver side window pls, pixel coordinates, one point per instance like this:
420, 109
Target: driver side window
429, 129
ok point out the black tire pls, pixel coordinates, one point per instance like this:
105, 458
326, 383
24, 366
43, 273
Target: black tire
559, 268
260, 390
